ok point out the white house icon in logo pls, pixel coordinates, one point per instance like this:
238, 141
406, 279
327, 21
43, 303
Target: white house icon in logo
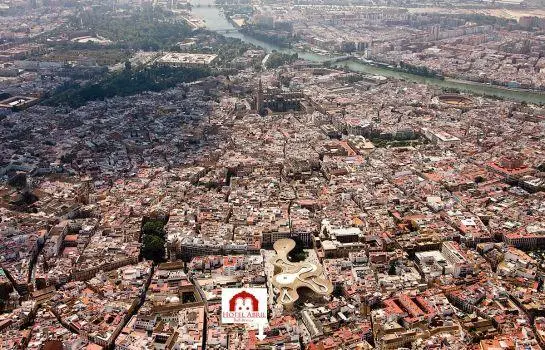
243, 301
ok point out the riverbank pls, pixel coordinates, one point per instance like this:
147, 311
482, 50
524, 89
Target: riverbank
375, 68
446, 83
216, 21
454, 80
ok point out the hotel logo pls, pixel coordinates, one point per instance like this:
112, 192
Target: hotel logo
244, 305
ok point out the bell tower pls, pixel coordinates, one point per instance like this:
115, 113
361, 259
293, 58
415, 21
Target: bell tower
259, 97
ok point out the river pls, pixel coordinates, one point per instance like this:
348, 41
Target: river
216, 21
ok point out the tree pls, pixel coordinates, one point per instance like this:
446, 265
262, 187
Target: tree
479, 179
338, 290
154, 228
126, 83
153, 248
18, 180
297, 253
392, 268
277, 59
27, 198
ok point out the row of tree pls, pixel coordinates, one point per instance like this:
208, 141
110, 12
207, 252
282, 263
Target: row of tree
277, 59
125, 83
153, 240
418, 70
146, 29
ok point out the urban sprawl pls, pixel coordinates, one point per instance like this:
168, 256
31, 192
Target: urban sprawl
377, 166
